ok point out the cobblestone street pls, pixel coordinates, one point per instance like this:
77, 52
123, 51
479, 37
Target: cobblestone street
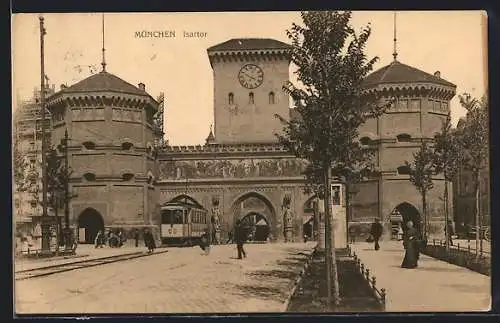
434, 286
180, 281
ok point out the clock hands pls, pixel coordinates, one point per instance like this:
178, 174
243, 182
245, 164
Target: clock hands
253, 78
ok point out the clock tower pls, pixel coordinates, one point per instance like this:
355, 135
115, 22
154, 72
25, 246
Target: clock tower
248, 77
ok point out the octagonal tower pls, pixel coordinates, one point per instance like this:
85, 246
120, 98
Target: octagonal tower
110, 151
422, 105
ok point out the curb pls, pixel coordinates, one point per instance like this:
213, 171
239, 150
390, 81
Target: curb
298, 280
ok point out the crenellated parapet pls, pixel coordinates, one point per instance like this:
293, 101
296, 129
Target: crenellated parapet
246, 148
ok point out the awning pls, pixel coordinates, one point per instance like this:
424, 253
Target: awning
306, 219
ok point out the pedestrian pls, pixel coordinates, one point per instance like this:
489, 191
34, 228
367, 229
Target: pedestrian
411, 245
229, 237
205, 242
376, 232
240, 236
98, 242
136, 237
352, 234
149, 241
449, 232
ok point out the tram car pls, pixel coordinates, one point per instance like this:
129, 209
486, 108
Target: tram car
182, 224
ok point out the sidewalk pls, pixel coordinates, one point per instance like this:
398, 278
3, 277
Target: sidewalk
434, 286
83, 252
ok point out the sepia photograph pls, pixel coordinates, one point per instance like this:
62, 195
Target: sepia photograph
250, 162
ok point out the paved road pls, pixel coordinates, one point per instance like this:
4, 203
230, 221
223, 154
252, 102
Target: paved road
180, 281
433, 286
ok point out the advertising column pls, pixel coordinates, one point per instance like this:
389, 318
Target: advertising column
339, 216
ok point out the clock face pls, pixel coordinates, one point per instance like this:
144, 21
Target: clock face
251, 76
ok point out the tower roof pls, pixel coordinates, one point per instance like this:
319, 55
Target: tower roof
104, 81
397, 72
249, 44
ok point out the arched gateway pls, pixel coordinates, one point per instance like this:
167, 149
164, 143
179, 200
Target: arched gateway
405, 212
89, 223
257, 213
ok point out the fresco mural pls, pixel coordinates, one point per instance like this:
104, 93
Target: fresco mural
231, 168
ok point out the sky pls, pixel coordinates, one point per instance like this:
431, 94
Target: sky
452, 42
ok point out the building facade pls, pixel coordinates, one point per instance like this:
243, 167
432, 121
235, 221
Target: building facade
27, 148
121, 178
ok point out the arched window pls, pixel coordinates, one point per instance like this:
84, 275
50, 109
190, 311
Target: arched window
89, 177
230, 98
271, 97
404, 137
127, 176
365, 141
127, 146
251, 98
403, 170
89, 145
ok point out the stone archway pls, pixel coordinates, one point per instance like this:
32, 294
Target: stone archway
258, 225
408, 212
253, 203
90, 222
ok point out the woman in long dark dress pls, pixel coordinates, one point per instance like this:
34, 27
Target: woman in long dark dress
410, 242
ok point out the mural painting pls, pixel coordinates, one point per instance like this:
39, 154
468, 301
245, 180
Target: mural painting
231, 168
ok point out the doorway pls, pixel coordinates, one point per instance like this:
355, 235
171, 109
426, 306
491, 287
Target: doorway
89, 223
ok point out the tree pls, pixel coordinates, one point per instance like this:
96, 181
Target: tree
447, 161
331, 105
474, 143
421, 171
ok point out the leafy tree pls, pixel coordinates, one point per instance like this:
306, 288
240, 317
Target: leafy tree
421, 171
447, 161
331, 105
474, 141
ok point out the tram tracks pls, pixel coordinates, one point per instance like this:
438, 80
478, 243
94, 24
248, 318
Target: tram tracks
60, 268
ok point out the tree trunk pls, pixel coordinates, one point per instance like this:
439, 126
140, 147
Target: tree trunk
424, 211
320, 219
478, 225
331, 262
447, 233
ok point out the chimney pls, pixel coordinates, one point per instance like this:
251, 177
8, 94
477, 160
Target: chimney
142, 86
437, 74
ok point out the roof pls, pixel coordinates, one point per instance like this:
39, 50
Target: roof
104, 81
249, 44
397, 72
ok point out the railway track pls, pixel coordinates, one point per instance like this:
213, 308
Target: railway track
60, 268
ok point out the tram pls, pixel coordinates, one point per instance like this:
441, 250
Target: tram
182, 223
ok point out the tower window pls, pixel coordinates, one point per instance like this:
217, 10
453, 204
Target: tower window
404, 170
89, 145
127, 146
271, 97
251, 98
230, 98
404, 137
365, 141
89, 177
127, 177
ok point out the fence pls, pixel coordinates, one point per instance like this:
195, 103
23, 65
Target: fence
482, 253
379, 294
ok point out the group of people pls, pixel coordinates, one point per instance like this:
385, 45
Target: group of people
412, 242
117, 239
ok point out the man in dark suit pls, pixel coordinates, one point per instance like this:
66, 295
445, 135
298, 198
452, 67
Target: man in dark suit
240, 235
376, 232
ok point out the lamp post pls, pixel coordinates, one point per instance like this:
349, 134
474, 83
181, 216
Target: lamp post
45, 225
